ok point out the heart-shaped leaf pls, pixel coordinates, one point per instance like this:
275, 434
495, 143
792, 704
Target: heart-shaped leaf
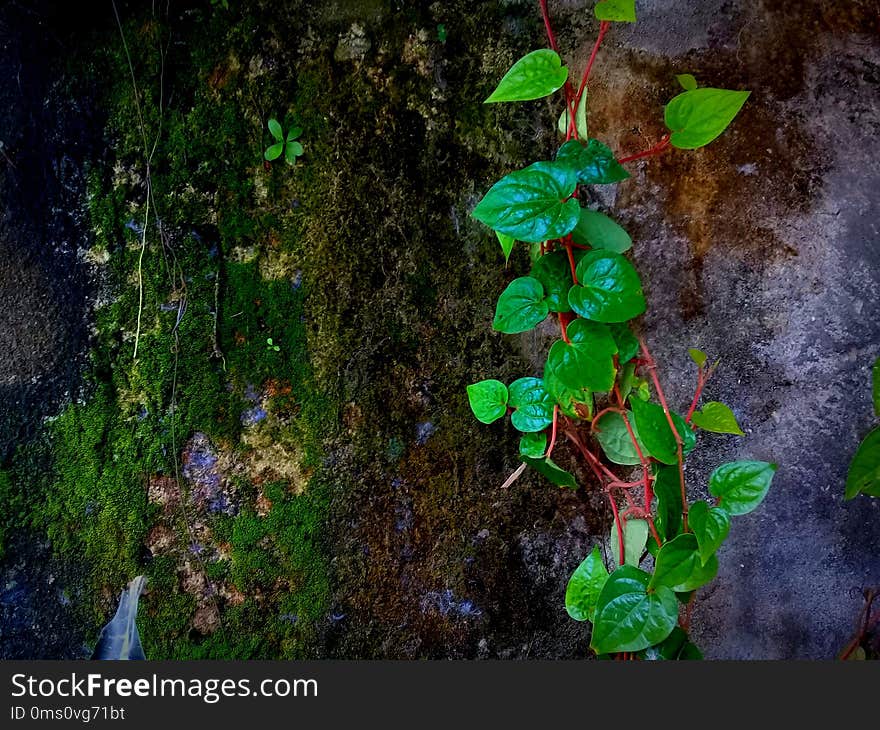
710, 526
717, 418
655, 433
594, 162
533, 204
742, 485
533, 404
587, 361
599, 231
621, 11
553, 270
679, 566
609, 289
697, 117
488, 400
535, 75
584, 586
521, 306
628, 617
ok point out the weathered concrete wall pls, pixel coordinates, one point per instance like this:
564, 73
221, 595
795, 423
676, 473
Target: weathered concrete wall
761, 249
764, 250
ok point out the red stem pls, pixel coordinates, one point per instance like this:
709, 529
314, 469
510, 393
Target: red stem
619, 526
603, 29
661, 146
651, 367
551, 37
599, 469
701, 383
553, 433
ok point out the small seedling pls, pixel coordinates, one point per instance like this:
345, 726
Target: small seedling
287, 145
270, 345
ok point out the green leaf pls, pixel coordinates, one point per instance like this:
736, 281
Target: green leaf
627, 343
488, 400
667, 489
521, 306
588, 362
697, 117
275, 130
535, 75
594, 162
628, 618
676, 647
614, 438
621, 11
584, 587
609, 288
574, 403
679, 566
717, 418
533, 445
687, 81
741, 485
551, 471
690, 652
876, 378
553, 270
635, 537
656, 434
698, 356
293, 133
599, 231
532, 205
533, 404
506, 244
292, 150
274, 152
669, 648
710, 526
580, 119
864, 469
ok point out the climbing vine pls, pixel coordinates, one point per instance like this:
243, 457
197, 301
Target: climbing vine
600, 388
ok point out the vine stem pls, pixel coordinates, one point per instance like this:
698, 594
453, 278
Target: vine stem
701, 383
604, 26
551, 38
619, 526
601, 471
661, 146
652, 371
553, 434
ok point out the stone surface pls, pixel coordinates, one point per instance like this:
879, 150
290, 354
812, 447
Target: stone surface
764, 250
